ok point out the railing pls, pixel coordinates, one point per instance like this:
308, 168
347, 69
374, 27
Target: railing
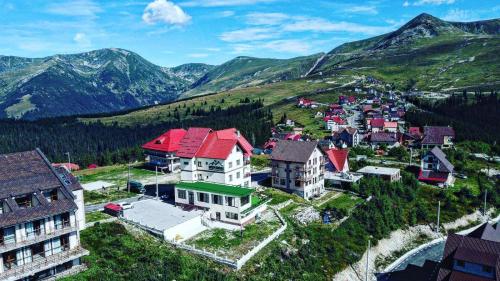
26, 241
43, 263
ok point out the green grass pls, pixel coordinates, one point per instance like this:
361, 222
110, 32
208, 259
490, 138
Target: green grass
96, 216
344, 201
116, 174
95, 197
279, 196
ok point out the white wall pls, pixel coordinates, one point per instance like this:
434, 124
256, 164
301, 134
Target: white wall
80, 213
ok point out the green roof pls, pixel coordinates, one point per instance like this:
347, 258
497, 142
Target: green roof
216, 188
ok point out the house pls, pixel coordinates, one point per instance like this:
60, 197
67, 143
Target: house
337, 160
334, 123
298, 167
41, 215
351, 99
390, 127
376, 125
348, 136
437, 136
389, 174
303, 102
225, 203
215, 156
161, 151
435, 168
474, 256
383, 138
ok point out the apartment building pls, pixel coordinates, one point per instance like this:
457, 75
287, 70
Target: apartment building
215, 156
41, 215
298, 167
161, 151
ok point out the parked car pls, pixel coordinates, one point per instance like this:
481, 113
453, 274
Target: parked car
137, 187
125, 205
461, 176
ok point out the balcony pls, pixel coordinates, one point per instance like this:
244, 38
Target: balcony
61, 229
43, 263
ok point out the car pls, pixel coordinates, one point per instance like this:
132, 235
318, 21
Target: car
461, 176
136, 187
125, 205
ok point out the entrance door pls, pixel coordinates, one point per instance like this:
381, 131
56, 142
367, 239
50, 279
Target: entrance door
191, 198
217, 216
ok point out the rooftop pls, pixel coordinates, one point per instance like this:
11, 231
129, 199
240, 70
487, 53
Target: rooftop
216, 188
293, 151
378, 170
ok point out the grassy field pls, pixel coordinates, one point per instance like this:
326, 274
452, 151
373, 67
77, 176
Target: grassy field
344, 201
96, 216
95, 197
116, 174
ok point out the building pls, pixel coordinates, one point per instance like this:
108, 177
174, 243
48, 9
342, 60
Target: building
348, 136
391, 127
334, 123
161, 151
437, 136
298, 167
383, 138
226, 203
376, 125
435, 168
41, 215
337, 160
471, 257
389, 174
215, 156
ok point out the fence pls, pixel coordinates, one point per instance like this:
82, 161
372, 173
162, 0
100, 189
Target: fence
90, 224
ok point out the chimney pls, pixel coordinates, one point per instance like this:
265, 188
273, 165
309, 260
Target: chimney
238, 133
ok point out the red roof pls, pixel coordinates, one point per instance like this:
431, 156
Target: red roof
432, 177
390, 124
206, 143
336, 119
377, 122
113, 206
338, 157
352, 98
192, 141
414, 131
293, 137
168, 142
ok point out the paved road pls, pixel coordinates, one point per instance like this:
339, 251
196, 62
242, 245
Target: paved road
259, 176
98, 207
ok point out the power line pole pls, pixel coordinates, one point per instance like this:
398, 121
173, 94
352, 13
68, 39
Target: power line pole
439, 213
156, 179
69, 161
128, 178
367, 259
485, 195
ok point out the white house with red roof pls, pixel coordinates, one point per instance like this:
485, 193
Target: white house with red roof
215, 156
337, 160
161, 151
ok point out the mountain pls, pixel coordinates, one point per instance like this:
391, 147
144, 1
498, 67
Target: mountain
189, 72
426, 52
94, 82
249, 71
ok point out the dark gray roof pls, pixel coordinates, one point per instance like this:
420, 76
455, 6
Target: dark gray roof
487, 231
445, 166
293, 151
383, 137
435, 134
30, 173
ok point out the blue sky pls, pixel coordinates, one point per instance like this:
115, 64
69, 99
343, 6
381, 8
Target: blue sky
172, 32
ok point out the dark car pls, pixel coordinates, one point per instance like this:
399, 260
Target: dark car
137, 187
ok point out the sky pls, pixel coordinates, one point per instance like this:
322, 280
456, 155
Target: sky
173, 32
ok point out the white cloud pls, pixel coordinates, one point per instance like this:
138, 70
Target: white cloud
197, 55
165, 11
322, 25
367, 10
75, 8
248, 34
433, 2
459, 15
222, 3
81, 39
266, 18
406, 4
288, 46
226, 14
242, 48
213, 49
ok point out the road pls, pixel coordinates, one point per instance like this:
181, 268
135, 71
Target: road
98, 207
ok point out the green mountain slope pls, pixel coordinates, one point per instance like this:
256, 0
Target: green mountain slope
427, 52
95, 82
248, 71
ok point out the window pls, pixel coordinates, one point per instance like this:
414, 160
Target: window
230, 164
181, 194
217, 199
238, 175
199, 163
245, 200
185, 163
487, 269
238, 162
24, 201
282, 181
230, 178
460, 263
8, 235
230, 201
50, 195
232, 216
203, 197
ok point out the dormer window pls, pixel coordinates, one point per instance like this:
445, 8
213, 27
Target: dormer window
50, 195
24, 202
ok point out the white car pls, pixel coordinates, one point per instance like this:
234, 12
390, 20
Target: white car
125, 205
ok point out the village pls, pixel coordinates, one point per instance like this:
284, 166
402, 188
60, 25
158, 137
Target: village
211, 193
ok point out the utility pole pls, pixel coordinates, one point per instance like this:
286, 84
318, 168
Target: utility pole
439, 213
156, 179
411, 154
485, 195
69, 161
128, 178
367, 259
